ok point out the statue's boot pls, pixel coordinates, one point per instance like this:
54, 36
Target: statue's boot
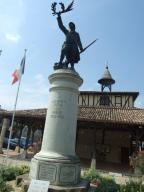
72, 67
57, 66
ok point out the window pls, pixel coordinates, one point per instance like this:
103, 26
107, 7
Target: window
104, 100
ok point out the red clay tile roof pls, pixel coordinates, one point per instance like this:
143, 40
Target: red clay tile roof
95, 114
114, 115
27, 113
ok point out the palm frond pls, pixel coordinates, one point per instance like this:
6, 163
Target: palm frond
70, 7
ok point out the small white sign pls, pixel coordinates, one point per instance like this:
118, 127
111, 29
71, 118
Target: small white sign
38, 186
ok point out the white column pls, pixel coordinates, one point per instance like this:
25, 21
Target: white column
5, 126
57, 161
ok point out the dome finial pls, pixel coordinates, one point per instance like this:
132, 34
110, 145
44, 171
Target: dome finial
106, 80
107, 64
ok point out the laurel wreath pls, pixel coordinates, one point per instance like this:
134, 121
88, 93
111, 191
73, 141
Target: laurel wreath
63, 9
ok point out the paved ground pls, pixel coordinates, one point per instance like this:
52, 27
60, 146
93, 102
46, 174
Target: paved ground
13, 158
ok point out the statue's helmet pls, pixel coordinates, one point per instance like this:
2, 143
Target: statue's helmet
71, 26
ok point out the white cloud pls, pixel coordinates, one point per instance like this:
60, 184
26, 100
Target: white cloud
14, 38
11, 19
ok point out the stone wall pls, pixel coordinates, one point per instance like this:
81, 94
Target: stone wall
114, 141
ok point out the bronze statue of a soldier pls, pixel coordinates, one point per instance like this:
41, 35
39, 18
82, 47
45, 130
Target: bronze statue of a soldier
72, 46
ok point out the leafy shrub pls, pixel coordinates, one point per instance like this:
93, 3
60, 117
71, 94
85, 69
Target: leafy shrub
132, 187
91, 174
101, 183
4, 187
108, 184
23, 169
10, 173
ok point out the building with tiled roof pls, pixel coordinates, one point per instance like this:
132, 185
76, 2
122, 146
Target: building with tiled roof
109, 125
133, 116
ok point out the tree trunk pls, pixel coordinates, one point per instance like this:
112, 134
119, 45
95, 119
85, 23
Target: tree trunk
6, 124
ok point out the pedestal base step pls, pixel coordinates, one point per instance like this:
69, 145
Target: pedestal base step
83, 186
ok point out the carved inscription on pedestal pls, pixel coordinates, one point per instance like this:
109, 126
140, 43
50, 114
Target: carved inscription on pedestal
67, 174
47, 172
57, 108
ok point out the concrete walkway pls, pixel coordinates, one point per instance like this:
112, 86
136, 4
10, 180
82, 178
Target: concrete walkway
13, 158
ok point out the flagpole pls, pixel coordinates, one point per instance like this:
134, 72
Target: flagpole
14, 111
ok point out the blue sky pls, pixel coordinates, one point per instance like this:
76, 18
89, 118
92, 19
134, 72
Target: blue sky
118, 24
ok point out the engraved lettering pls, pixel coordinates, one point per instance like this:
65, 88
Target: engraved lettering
47, 172
57, 108
67, 174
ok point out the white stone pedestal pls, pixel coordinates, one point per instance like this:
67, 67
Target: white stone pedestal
57, 161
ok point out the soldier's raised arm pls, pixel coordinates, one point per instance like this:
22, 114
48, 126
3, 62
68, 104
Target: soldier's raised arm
61, 26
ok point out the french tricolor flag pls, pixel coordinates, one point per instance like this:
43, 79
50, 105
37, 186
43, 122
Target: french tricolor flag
19, 72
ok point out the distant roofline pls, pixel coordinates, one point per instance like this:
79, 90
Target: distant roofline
130, 116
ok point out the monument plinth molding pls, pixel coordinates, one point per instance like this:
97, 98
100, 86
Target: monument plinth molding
57, 161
